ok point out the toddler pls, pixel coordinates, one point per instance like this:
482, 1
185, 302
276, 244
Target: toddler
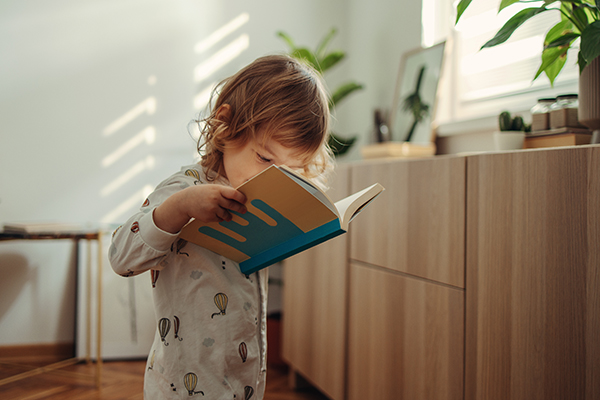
210, 339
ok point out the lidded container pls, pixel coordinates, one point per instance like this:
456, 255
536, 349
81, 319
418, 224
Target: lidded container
563, 112
540, 114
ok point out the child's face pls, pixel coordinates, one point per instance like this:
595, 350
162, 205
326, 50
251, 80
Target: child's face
243, 162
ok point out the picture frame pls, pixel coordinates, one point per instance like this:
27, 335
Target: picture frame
415, 96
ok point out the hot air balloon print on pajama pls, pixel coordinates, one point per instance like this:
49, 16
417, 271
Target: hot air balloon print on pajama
248, 392
243, 349
190, 380
221, 303
176, 325
154, 273
192, 173
177, 246
164, 326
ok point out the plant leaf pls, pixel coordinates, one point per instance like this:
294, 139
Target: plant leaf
581, 61
460, 9
331, 59
590, 42
287, 39
554, 69
303, 53
324, 43
512, 24
581, 16
506, 3
592, 11
339, 145
342, 92
557, 31
564, 40
553, 60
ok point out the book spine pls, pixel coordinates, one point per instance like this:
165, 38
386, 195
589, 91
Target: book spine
292, 246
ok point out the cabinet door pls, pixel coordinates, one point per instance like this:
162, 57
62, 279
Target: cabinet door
417, 225
533, 273
314, 308
405, 337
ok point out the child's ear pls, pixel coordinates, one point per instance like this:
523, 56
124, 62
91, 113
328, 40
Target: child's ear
224, 113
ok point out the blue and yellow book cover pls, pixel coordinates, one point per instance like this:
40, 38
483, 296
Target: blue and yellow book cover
286, 215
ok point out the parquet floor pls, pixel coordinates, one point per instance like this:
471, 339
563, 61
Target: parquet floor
121, 380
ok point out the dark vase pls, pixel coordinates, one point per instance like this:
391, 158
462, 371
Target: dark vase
589, 98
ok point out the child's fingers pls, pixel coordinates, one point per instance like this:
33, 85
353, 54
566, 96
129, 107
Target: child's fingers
233, 194
224, 215
234, 200
233, 206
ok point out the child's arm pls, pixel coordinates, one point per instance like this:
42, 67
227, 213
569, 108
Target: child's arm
206, 203
144, 241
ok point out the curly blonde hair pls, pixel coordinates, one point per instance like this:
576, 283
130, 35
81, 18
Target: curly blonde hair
283, 97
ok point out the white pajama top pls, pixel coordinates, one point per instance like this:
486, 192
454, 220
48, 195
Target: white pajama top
210, 340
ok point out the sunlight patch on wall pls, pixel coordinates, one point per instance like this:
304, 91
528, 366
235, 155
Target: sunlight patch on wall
147, 106
136, 200
221, 58
221, 33
201, 99
481, 25
147, 135
128, 175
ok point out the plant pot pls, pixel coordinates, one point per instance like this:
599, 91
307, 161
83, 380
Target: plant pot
509, 140
589, 98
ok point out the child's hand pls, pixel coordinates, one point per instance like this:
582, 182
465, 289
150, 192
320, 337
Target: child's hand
207, 203
210, 203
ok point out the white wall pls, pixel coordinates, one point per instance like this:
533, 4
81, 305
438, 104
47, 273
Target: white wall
81, 80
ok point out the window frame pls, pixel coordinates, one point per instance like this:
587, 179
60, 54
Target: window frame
454, 114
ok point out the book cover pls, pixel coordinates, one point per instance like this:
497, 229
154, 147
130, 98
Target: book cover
286, 215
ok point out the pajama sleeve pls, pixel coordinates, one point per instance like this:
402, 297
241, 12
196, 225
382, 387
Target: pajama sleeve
139, 245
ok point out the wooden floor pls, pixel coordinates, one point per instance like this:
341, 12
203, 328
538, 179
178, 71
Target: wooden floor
121, 380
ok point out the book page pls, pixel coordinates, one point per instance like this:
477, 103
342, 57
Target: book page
351, 206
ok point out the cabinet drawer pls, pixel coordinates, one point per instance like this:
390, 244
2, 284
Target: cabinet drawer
405, 337
417, 225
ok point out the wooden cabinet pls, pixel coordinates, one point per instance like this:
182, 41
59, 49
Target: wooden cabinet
472, 278
392, 325
533, 275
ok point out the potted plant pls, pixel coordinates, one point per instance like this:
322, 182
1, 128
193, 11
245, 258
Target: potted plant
322, 60
512, 132
580, 19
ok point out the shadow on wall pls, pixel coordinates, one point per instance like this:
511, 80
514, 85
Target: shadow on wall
15, 271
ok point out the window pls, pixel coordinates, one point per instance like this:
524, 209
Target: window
480, 83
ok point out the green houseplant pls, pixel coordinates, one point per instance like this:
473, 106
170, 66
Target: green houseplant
323, 60
579, 19
506, 122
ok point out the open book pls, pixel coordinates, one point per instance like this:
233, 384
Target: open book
286, 215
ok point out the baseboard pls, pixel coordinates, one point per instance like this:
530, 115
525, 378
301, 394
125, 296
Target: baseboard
37, 352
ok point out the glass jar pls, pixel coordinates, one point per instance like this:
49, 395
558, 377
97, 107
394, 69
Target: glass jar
563, 112
540, 114
565, 101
